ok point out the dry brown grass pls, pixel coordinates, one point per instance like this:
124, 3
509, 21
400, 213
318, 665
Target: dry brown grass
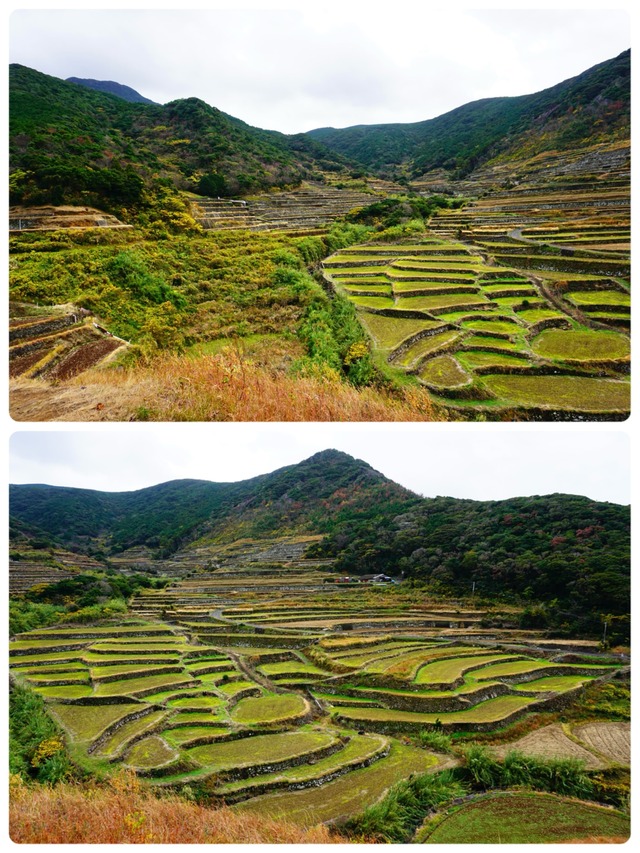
223, 387
123, 814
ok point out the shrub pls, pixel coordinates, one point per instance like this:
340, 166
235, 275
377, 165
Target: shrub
36, 744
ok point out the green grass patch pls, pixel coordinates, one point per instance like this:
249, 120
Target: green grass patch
87, 722
431, 303
475, 359
134, 685
196, 702
444, 371
447, 671
501, 326
184, 735
516, 667
481, 342
150, 752
423, 347
536, 315
269, 709
573, 393
260, 750
128, 731
389, 332
523, 818
581, 345
65, 691
490, 711
599, 297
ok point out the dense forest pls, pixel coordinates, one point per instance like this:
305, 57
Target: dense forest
75, 145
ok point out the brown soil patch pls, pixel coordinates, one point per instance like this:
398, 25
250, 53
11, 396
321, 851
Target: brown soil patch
610, 739
550, 742
84, 358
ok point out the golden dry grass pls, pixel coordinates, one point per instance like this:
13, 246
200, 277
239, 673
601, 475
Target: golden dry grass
123, 814
223, 387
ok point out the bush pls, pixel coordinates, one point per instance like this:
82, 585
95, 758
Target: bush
36, 744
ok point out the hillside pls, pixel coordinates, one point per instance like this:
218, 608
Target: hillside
112, 88
561, 548
589, 108
301, 497
71, 144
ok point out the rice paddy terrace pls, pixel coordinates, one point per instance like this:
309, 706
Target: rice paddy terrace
291, 704
306, 210
57, 342
520, 301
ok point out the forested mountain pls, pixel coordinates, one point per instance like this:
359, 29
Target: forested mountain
563, 547
558, 547
112, 88
72, 144
307, 496
589, 108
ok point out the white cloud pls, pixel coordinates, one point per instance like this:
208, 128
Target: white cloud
458, 460
295, 69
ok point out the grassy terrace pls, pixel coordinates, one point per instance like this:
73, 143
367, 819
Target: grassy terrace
359, 749
489, 711
345, 796
450, 670
270, 709
281, 752
262, 750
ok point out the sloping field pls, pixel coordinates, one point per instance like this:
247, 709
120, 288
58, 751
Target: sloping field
541, 274
550, 742
613, 740
519, 818
345, 796
275, 708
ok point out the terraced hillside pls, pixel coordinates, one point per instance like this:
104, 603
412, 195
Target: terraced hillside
57, 342
518, 302
306, 210
291, 705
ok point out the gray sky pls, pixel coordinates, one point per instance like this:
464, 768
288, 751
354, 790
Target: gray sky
307, 65
458, 460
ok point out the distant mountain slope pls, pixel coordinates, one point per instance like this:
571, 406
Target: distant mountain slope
71, 144
591, 107
112, 88
308, 496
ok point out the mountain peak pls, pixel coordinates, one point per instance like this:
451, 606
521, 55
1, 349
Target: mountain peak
110, 87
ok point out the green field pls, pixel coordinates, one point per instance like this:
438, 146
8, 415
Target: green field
518, 818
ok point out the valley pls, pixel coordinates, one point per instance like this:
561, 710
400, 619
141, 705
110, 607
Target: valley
389, 272
226, 644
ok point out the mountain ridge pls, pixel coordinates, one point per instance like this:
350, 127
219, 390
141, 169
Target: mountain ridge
72, 144
488, 126
110, 87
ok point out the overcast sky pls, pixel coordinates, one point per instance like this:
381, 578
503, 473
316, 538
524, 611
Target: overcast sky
454, 460
313, 65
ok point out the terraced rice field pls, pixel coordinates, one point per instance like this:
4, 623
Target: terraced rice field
300, 716
522, 285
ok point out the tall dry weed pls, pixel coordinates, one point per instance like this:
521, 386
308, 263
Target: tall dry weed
222, 387
123, 814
